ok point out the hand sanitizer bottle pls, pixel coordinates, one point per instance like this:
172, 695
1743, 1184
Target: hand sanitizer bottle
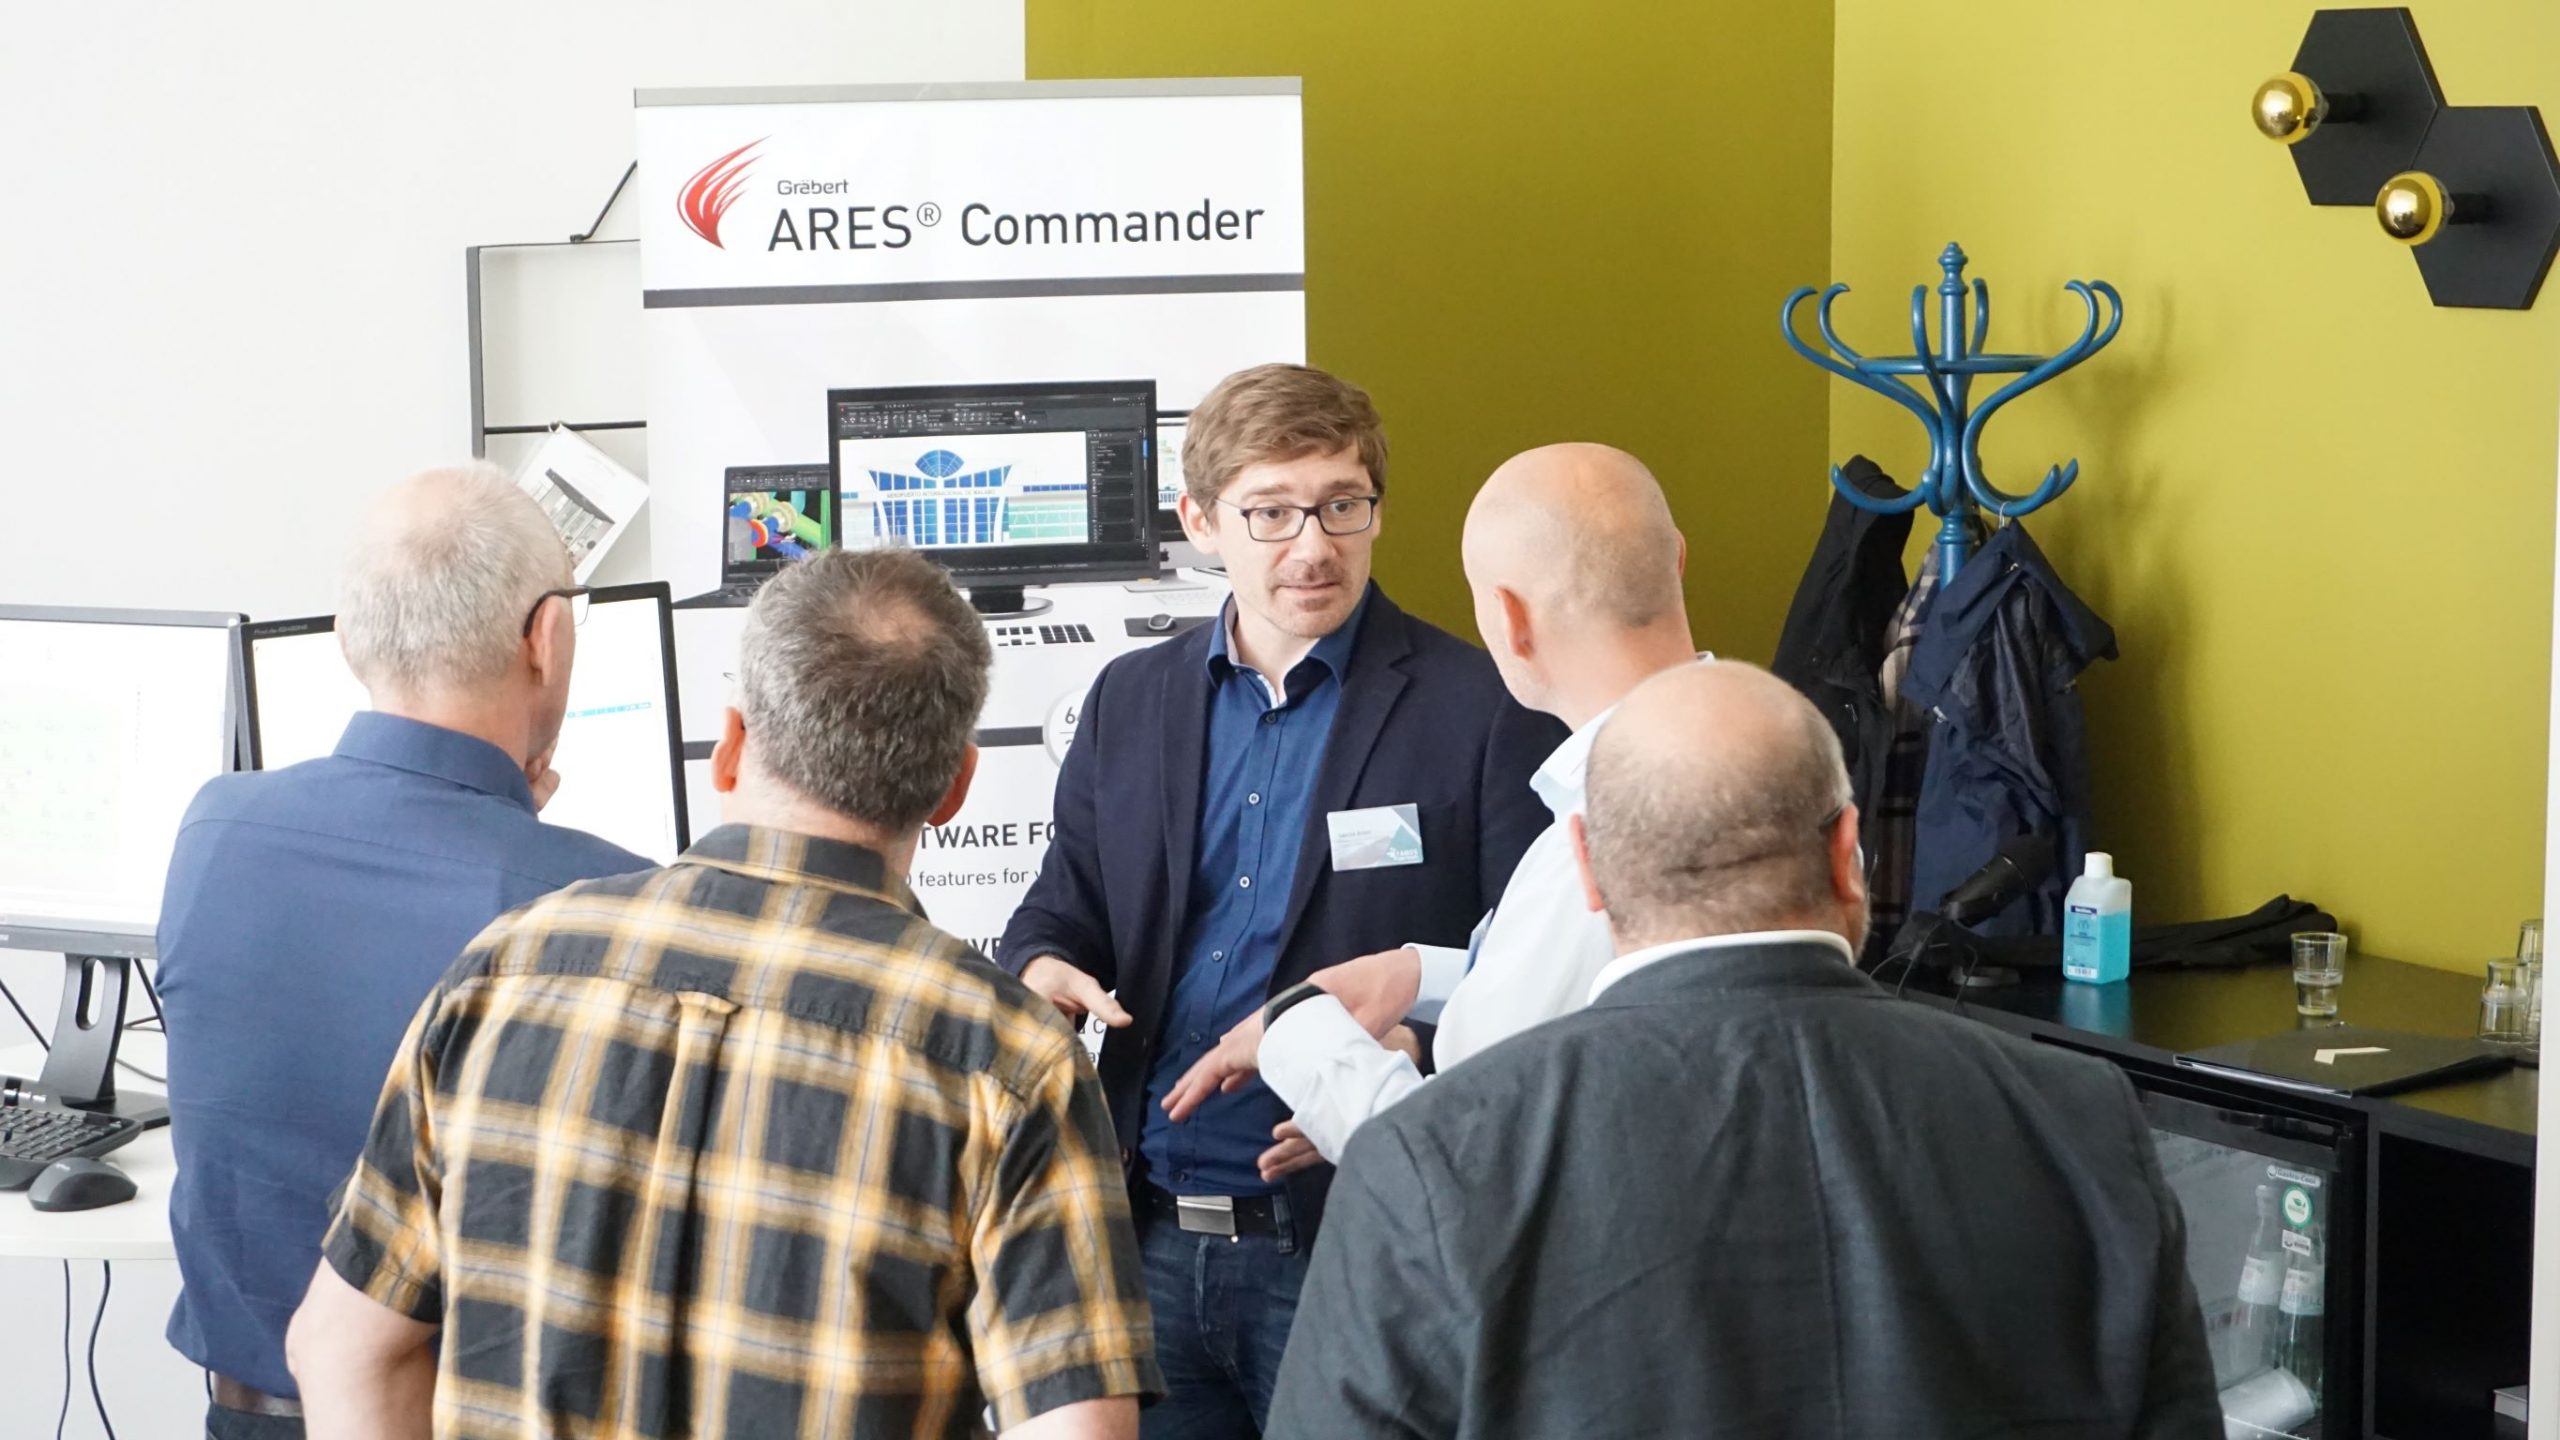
2097, 924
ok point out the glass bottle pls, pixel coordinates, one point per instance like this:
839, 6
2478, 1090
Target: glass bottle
2302, 1340
2251, 1338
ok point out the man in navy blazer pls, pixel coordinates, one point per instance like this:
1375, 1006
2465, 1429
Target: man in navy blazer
1316, 777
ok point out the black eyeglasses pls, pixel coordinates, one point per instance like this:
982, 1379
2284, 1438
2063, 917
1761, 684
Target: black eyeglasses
1343, 515
576, 595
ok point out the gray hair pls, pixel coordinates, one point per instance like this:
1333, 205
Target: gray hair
861, 676
1703, 842
440, 578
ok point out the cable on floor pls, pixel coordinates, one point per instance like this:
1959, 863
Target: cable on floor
106, 1286
64, 1416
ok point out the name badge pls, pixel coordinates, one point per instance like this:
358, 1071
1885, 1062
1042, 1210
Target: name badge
1376, 838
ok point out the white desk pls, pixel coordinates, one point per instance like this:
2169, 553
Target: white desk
138, 1229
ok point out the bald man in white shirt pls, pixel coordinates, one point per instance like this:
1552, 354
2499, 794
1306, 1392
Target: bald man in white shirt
1575, 565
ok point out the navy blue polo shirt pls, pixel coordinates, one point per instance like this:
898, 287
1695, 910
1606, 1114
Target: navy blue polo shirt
1257, 789
308, 912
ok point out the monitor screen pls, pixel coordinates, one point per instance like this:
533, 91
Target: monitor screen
1172, 427
1012, 483
620, 756
775, 515
300, 691
1170, 430
110, 721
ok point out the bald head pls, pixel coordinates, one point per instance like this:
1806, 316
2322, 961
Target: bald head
1706, 810
438, 579
1580, 531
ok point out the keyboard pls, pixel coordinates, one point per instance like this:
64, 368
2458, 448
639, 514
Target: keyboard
727, 597
34, 1136
1005, 635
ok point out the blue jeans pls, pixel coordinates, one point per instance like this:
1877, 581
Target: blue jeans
1222, 1310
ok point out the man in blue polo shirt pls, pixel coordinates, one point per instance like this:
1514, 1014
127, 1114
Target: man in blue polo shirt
310, 909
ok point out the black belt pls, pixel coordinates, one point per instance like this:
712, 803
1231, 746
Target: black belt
230, 1394
1216, 1214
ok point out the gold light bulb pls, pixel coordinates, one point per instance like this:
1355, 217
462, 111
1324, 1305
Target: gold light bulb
2412, 207
2288, 108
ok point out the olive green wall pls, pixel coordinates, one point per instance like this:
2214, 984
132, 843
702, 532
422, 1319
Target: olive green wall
2317, 508
1530, 223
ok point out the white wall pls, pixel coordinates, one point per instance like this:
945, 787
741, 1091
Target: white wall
231, 307
233, 265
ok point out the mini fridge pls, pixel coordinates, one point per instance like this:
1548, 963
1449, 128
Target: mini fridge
2274, 1204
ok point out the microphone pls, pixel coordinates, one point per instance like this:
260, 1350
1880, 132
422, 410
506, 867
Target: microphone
2022, 864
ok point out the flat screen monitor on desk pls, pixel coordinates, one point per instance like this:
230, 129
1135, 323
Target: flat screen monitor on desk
1004, 485
110, 721
621, 752
1172, 428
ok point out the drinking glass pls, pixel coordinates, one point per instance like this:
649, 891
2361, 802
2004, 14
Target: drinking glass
2503, 1003
2319, 968
2529, 956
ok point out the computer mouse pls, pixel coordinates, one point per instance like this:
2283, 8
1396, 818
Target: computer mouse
80, 1184
1159, 623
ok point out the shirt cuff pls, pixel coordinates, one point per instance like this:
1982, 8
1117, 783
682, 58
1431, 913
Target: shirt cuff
1296, 1043
1443, 967
366, 1265
1113, 1364
1332, 1073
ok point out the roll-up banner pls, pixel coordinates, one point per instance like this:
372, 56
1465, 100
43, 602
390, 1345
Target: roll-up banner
797, 242
800, 240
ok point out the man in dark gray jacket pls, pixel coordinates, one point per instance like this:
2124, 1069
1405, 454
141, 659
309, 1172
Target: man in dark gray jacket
1745, 1192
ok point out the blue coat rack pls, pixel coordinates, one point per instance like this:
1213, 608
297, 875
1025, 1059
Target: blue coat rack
1953, 486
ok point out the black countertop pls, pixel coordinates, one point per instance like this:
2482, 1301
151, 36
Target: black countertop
2160, 1014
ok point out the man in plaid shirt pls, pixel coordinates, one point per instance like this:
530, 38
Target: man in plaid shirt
744, 1146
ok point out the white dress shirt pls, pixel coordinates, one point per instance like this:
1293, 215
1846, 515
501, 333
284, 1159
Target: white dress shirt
1536, 957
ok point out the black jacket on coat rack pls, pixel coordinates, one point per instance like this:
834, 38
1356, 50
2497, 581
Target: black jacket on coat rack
1833, 646
1998, 665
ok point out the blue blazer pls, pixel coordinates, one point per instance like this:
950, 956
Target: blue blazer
1424, 720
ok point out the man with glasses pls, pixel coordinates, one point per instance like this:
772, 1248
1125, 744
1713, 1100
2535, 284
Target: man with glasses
1575, 563
310, 909
1317, 776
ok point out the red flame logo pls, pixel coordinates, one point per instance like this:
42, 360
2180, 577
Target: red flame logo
712, 190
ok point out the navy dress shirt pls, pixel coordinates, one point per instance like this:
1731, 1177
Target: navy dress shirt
1257, 786
308, 912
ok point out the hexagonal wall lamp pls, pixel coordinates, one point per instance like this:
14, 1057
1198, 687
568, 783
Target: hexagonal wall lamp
2474, 190
2355, 106
2480, 205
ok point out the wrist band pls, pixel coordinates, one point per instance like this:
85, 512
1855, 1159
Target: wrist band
1283, 1002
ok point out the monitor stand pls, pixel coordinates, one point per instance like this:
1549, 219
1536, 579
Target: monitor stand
1007, 602
80, 1069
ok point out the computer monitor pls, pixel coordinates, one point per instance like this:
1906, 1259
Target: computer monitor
775, 514
110, 721
1004, 485
621, 752
1172, 428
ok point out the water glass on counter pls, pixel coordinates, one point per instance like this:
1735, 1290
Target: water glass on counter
2504, 1003
2529, 956
2319, 968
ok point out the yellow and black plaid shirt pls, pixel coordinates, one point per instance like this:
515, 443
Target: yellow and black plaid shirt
745, 1147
